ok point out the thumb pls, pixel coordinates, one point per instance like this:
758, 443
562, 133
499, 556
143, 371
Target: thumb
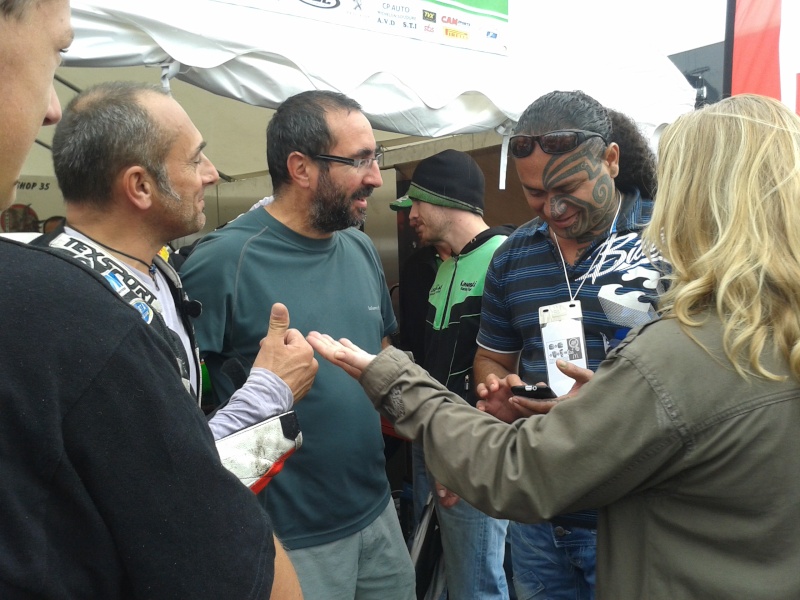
573, 371
278, 320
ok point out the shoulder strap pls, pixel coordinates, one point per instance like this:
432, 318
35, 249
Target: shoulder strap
130, 289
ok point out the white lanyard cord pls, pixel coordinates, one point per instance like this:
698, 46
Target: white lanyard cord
604, 248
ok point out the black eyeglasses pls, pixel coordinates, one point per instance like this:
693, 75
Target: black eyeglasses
359, 163
554, 142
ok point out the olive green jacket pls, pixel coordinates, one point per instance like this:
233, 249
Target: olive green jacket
696, 471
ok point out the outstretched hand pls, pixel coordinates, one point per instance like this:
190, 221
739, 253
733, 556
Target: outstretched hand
497, 400
342, 353
286, 353
494, 394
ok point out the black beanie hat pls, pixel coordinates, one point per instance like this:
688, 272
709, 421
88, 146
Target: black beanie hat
450, 178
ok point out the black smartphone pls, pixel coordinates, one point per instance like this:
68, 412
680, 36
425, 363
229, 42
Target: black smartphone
536, 392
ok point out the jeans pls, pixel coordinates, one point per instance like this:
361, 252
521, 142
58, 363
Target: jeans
472, 542
551, 562
371, 564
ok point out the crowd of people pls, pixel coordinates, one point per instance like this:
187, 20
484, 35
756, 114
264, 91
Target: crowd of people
683, 440
660, 300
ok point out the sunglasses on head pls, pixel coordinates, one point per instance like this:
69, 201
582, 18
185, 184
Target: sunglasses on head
553, 142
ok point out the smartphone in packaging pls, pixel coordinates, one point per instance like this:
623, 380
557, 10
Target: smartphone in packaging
562, 338
534, 392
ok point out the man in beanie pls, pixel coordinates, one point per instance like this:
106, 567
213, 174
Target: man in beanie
446, 200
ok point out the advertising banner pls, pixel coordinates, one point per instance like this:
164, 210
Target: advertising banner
472, 24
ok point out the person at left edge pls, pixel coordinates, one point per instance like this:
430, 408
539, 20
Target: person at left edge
126, 196
103, 455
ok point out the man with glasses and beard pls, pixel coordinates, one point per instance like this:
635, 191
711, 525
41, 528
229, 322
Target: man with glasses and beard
573, 278
331, 505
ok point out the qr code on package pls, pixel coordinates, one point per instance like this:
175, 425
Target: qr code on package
567, 349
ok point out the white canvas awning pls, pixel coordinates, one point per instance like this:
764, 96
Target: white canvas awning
405, 85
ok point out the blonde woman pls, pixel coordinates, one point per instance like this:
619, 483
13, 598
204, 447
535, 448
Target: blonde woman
688, 436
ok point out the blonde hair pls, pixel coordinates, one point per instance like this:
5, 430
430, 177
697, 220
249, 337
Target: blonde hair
727, 219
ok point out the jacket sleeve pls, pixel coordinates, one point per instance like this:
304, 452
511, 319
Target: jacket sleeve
586, 453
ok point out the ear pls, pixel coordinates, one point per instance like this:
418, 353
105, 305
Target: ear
137, 186
612, 159
302, 169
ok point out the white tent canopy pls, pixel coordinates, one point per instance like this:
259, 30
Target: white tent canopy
406, 86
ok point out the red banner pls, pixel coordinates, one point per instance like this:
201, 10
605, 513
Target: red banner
758, 66
756, 57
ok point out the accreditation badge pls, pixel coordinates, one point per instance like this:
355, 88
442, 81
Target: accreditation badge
563, 338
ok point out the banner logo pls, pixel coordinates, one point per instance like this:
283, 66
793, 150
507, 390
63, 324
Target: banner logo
322, 3
455, 33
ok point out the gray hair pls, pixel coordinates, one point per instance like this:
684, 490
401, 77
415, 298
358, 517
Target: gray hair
104, 130
15, 8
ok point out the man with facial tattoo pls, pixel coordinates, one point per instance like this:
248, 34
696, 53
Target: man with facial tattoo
567, 285
331, 504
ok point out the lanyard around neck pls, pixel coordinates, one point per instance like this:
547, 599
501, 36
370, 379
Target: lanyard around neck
600, 252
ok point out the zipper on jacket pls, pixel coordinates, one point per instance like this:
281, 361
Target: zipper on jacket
446, 312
